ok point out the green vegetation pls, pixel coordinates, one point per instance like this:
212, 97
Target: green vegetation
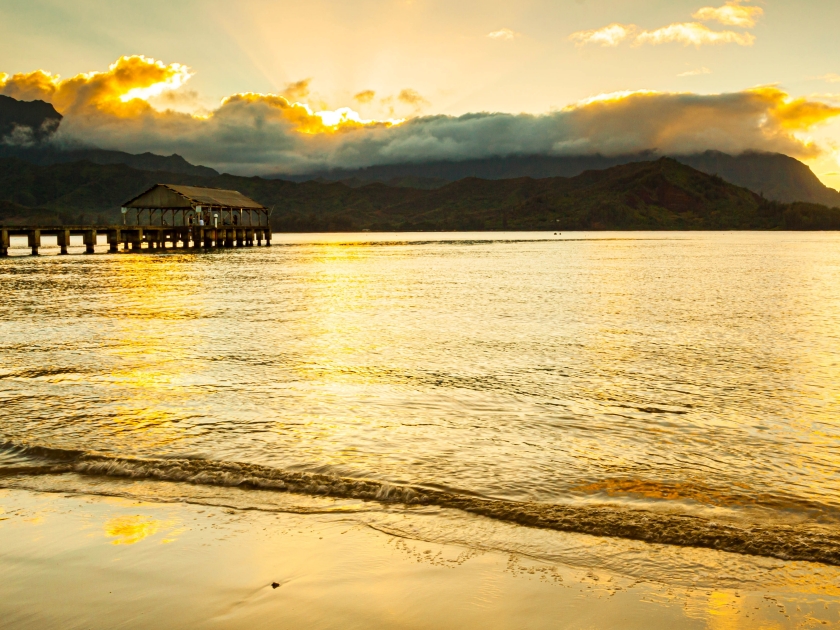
658, 195
772, 175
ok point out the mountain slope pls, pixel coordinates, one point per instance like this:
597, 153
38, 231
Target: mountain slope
776, 176
663, 194
773, 175
37, 118
26, 128
47, 154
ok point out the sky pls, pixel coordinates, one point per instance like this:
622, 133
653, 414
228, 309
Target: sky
262, 86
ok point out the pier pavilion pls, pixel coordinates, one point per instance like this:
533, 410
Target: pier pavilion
175, 205
166, 214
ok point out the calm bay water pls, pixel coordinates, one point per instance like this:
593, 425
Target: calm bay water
604, 383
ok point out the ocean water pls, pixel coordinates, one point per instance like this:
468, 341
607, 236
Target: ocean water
653, 393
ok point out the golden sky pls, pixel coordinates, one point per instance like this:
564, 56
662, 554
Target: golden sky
286, 86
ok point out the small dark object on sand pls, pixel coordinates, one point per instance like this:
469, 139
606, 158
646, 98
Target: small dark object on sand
274, 585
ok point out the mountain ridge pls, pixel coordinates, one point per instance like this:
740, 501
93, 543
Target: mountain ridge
32, 121
27, 131
655, 195
46, 154
777, 176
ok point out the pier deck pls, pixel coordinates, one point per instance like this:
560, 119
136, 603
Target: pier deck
139, 237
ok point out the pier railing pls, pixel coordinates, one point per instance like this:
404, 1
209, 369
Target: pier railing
136, 238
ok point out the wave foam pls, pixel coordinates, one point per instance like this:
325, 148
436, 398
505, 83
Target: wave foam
785, 542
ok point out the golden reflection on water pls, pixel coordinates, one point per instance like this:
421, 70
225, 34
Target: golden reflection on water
154, 367
337, 284
724, 611
131, 529
739, 494
337, 353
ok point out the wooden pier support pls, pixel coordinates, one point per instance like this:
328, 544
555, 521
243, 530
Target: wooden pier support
89, 239
63, 238
156, 238
34, 238
114, 241
136, 241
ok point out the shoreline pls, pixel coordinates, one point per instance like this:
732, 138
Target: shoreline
138, 563
702, 527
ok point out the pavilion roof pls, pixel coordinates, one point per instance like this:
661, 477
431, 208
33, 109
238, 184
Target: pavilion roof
176, 196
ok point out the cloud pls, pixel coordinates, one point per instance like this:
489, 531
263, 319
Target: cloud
365, 96
254, 133
686, 33
831, 77
297, 91
695, 72
120, 89
124, 89
294, 116
689, 33
412, 97
730, 14
611, 35
503, 34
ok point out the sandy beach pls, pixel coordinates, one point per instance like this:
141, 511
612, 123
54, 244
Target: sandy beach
84, 561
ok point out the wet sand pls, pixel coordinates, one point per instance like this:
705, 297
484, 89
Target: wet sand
83, 561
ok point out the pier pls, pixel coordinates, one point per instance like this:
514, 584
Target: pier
137, 238
165, 216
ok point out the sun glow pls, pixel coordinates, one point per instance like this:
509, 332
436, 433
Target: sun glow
176, 75
611, 97
301, 117
129, 78
344, 116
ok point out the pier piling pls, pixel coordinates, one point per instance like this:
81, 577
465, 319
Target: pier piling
89, 239
156, 238
34, 238
113, 240
63, 238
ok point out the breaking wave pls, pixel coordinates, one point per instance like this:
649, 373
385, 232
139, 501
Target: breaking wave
785, 542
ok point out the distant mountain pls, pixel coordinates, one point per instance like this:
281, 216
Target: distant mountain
776, 176
48, 154
27, 126
31, 121
81, 192
447, 171
653, 195
423, 183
